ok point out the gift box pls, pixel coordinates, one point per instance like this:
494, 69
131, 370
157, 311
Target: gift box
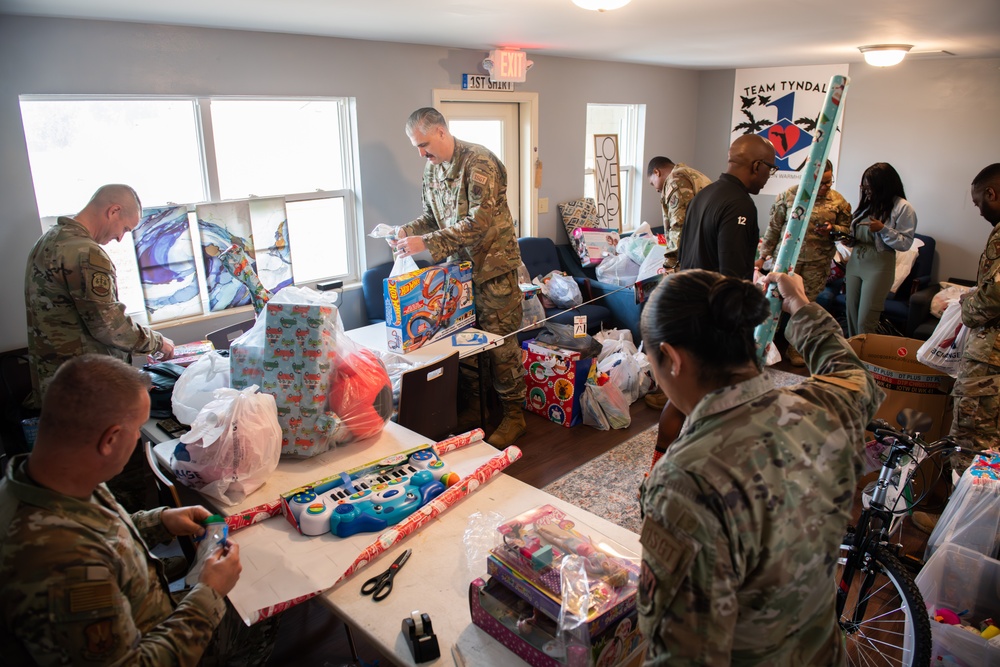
555, 379
536, 639
593, 244
428, 304
529, 558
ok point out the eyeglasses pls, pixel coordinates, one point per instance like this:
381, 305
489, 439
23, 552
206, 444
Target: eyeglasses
771, 167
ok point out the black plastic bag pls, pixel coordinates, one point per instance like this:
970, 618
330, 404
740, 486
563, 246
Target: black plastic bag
163, 375
562, 336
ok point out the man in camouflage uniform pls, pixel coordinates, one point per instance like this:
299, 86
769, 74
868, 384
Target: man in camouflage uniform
466, 217
831, 212
78, 584
677, 185
71, 291
977, 388
743, 515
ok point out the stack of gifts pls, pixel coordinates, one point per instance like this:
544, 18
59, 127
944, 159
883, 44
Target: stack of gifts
558, 596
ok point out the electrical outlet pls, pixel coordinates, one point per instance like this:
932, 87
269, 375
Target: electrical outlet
543, 204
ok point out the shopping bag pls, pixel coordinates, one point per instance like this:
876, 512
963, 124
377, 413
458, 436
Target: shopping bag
233, 445
943, 350
196, 386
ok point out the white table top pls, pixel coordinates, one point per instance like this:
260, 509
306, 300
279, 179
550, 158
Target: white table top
374, 338
436, 578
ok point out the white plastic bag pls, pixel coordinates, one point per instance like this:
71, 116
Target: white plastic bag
943, 350
403, 265
617, 270
561, 289
949, 292
604, 407
233, 445
197, 384
652, 265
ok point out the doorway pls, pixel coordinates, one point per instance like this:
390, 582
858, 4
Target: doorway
506, 124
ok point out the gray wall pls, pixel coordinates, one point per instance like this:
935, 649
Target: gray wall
52, 56
934, 120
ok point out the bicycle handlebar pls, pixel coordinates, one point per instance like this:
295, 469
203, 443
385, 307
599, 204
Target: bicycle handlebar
882, 431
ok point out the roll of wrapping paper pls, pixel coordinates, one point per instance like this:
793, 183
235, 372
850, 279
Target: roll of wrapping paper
791, 242
235, 260
259, 513
410, 524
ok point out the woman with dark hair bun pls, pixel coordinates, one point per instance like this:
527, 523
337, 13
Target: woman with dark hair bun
884, 222
743, 515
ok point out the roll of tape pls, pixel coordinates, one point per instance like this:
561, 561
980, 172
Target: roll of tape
418, 621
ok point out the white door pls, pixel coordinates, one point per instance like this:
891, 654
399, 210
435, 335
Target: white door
496, 126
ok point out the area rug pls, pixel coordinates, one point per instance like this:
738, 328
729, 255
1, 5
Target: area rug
608, 485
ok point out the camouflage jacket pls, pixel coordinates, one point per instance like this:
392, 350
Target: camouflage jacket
816, 247
678, 190
743, 516
981, 309
71, 299
466, 216
79, 586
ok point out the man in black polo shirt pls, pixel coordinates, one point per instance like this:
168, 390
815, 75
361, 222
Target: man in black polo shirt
720, 232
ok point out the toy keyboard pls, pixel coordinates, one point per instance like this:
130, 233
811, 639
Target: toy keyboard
371, 500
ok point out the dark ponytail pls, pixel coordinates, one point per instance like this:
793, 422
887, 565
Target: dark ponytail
710, 315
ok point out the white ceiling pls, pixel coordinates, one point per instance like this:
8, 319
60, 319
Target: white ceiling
708, 34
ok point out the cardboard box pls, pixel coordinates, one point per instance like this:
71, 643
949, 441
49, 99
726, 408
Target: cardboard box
555, 378
892, 361
593, 244
428, 304
536, 640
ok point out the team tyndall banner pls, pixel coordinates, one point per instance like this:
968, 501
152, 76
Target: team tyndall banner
782, 104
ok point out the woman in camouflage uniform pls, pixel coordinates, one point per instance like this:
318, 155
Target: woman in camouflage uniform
743, 516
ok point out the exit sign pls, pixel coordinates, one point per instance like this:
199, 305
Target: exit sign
509, 65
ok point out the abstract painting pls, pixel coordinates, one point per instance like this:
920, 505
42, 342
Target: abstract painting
165, 254
222, 225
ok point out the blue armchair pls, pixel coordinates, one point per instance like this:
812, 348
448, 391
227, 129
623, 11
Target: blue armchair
540, 256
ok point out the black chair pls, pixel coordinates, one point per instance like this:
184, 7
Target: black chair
541, 257
168, 496
372, 288
223, 338
428, 399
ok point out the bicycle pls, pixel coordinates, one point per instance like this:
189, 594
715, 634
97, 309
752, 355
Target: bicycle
879, 607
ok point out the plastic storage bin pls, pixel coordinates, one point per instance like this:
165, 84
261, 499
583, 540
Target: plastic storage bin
958, 578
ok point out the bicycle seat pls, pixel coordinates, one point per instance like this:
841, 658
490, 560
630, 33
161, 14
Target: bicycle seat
913, 421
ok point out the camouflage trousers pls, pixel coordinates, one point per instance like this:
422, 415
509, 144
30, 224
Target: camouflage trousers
814, 275
498, 311
976, 416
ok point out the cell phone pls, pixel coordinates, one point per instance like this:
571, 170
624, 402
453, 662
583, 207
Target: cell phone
173, 427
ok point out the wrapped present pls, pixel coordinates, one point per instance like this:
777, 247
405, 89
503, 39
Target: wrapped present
328, 390
593, 244
555, 379
428, 304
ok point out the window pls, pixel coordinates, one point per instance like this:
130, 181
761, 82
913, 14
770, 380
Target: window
627, 121
277, 174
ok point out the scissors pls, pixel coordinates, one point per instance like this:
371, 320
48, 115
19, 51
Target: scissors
381, 585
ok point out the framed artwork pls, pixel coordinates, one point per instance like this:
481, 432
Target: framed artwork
607, 191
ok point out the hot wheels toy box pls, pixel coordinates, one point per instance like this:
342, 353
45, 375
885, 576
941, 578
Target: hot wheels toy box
555, 379
428, 304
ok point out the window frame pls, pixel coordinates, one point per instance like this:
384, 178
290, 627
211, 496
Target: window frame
201, 108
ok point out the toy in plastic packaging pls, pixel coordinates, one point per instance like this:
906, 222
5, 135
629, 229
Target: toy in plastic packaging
361, 393
233, 445
215, 537
196, 386
560, 289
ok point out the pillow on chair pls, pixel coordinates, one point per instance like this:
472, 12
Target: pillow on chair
576, 214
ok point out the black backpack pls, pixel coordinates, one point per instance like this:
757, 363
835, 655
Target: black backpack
163, 375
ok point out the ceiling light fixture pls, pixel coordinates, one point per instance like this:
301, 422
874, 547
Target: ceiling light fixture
885, 55
601, 5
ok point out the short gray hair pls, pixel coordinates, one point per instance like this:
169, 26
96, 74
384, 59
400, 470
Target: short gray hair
424, 119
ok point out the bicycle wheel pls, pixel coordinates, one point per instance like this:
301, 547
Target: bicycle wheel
887, 624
